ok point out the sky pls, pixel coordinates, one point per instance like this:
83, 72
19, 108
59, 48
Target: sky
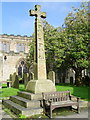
15, 17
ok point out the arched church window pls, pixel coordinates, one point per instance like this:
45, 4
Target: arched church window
20, 71
22, 68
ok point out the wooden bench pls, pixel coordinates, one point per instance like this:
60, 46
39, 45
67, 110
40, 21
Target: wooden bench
54, 100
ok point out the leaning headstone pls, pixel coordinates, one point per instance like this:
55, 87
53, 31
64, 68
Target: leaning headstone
51, 76
31, 76
10, 77
25, 78
15, 81
10, 81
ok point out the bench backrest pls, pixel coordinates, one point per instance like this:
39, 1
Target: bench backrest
57, 96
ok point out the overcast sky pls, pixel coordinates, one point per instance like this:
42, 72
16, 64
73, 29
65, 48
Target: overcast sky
16, 19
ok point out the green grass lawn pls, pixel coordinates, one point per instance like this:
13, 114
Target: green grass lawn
6, 92
81, 92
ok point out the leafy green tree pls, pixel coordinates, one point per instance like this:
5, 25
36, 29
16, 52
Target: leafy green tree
30, 56
54, 46
68, 46
77, 38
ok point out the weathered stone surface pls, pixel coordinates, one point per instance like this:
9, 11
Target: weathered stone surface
25, 78
17, 109
51, 76
31, 76
10, 77
30, 96
39, 57
15, 81
40, 82
25, 102
37, 86
10, 65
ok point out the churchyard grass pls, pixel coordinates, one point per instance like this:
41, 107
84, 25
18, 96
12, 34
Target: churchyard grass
6, 92
81, 91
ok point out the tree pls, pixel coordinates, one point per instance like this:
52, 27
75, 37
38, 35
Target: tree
30, 56
54, 46
77, 38
68, 46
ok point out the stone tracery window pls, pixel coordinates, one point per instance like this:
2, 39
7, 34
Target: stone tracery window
22, 68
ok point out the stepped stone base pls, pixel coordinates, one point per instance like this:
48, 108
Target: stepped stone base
25, 103
30, 96
17, 109
39, 86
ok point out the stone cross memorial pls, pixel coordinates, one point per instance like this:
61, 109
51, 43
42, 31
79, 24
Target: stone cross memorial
40, 83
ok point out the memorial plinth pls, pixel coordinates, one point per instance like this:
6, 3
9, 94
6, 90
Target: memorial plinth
40, 82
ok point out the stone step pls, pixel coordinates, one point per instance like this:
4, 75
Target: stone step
30, 96
25, 102
17, 109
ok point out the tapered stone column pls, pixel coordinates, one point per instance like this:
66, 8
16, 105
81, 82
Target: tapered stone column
40, 82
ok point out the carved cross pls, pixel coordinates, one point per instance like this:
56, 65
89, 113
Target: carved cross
37, 12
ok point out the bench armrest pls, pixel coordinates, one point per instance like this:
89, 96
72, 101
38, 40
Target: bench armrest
47, 100
71, 96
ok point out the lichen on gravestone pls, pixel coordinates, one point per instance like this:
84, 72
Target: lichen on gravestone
10, 77
31, 76
15, 81
51, 76
25, 78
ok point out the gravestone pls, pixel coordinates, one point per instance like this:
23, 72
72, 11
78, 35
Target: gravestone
15, 81
51, 76
31, 76
25, 78
10, 77
9, 81
40, 83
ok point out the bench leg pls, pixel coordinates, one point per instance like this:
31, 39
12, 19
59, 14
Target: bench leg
70, 107
50, 111
78, 109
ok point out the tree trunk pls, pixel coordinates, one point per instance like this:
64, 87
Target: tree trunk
78, 77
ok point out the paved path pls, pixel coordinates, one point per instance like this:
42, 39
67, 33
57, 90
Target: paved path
83, 114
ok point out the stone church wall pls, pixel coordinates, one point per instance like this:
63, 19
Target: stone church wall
13, 49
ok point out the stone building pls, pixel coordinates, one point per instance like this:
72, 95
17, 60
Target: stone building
13, 50
70, 76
